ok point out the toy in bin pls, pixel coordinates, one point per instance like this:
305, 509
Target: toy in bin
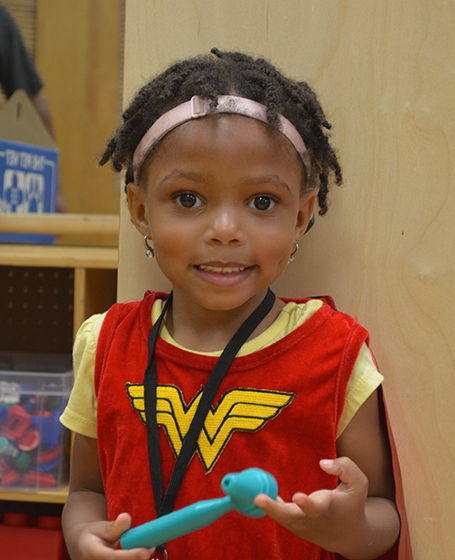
241, 489
32, 441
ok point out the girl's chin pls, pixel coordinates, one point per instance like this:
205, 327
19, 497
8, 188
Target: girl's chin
224, 300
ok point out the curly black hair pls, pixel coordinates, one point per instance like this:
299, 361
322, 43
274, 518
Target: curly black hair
229, 73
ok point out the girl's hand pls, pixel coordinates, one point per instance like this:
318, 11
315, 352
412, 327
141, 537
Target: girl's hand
359, 519
328, 518
98, 541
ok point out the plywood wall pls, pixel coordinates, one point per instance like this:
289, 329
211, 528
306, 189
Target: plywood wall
79, 54
385, 72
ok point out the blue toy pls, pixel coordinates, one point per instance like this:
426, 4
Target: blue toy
241, 488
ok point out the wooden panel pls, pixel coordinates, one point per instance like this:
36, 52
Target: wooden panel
384, 72
100, 292
94, 292
79, 55
80, 294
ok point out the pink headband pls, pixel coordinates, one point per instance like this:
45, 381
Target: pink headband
199, 107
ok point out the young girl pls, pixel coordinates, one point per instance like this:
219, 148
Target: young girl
224, 159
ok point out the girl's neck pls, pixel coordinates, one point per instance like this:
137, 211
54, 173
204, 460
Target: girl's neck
206, 330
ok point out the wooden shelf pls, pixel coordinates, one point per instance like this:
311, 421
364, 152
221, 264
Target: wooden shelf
45, 497
59, 256
61, 224
93, 285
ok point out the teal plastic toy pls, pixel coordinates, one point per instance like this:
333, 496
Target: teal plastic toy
241, 489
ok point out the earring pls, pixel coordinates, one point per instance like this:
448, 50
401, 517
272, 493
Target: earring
294, 251
149, 251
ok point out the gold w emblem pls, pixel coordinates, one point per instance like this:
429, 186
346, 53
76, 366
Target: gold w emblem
246, 410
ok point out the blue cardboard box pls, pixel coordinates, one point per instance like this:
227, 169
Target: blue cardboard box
28, 184
28, 166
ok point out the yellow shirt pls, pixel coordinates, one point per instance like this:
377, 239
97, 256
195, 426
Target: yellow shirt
80, 414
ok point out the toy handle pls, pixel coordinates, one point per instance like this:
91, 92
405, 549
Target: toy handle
176, 524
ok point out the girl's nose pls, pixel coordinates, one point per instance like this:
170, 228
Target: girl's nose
224, 227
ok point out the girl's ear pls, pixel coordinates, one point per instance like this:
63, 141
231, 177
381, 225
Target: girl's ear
138, 210
306, 207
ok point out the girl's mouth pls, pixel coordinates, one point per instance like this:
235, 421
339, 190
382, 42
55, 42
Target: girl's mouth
222, 269
224, 276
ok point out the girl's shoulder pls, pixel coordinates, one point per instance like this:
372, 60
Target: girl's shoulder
88, 333
327, 300
144, 305
298, 311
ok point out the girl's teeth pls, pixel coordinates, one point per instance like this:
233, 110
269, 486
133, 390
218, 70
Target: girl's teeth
220, 270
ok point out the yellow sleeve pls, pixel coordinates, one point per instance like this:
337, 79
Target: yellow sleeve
80, 413
365, 379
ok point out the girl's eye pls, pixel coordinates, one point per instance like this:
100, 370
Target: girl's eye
262, 203
188, 200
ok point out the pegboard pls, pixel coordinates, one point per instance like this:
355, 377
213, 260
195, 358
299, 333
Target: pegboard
36, 309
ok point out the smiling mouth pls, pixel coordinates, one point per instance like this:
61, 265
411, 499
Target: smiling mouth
222, 269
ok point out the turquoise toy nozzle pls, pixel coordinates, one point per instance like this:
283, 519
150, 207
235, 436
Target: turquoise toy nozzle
241, 489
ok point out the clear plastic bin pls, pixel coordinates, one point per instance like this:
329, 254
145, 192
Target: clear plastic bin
33, 443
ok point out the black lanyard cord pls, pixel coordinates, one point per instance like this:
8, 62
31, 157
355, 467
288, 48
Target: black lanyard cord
165, 504
150, 383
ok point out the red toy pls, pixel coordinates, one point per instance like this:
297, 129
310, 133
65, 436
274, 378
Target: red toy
17, 423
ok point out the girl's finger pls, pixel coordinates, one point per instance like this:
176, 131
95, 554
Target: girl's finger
318, 503
274, 509
118, 527
347, 471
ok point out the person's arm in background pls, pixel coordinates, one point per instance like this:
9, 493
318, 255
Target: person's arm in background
42, 108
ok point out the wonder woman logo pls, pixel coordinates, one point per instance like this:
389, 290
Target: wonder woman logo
246, 410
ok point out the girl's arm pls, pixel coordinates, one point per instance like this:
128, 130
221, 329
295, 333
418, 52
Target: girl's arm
88, 534
358, 519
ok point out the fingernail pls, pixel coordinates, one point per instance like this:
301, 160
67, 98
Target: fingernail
327, 462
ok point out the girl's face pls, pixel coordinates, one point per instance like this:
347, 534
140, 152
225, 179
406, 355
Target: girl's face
222, 202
